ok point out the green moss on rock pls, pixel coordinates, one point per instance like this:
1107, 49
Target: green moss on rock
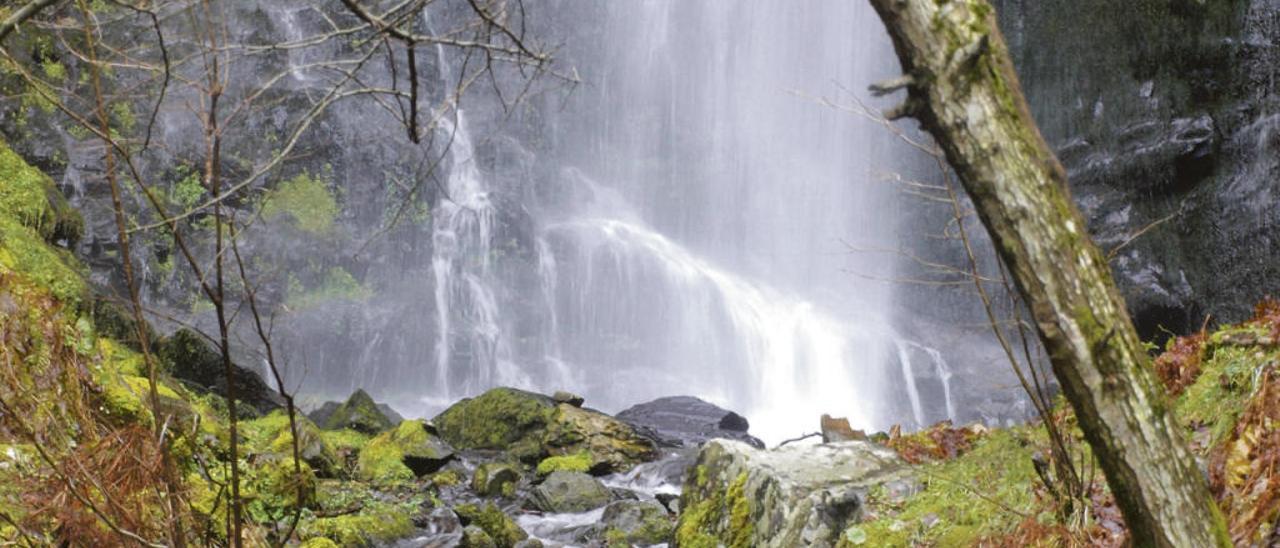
305, 200
492, 479
498, 525
376, 523
502, 418
963, 500
402, 454
531, 427
30, 197
578, 462
359, 413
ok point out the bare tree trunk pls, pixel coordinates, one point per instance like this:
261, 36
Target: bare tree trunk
962, 88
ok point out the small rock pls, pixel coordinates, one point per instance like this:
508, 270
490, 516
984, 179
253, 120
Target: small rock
669, 501
493, 479
568, 397
529, 543
475, 537
836, 429
439, 529
570, 492
641, 523
503, 530
734, 422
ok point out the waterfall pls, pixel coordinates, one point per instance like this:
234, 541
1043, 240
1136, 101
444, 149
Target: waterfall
909, 379
691, 239
944, 374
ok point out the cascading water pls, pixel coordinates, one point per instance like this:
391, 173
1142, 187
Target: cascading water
688, 236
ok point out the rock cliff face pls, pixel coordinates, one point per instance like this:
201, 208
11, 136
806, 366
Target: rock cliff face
1165, 115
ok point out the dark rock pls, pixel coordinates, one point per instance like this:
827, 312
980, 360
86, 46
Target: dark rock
493, 479
570, 492
568, 397
686, 421
838, 429
669, 501
359, 413
190, 359
441, 528
734, 422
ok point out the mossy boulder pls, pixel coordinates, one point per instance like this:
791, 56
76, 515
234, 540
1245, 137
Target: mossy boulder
402, 454
32, 198
638, 523
532, 426
739, 496
271, 435
570, 492
499, 526
359, 413
493, 479
475, 537
376, 523
34, 214
188, 357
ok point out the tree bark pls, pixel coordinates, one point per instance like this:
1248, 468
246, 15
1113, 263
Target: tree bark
962, 88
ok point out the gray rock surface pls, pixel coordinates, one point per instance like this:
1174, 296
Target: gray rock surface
686, 421
570, 492
798, 495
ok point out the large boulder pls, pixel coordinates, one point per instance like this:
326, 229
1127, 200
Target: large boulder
570, 492
359, 413
407, 452
531, 427
737, 495
192, 360
686, 421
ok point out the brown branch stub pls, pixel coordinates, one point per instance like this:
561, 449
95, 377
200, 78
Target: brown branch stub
968, 97
18, 17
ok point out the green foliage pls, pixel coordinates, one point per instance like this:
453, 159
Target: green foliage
305, 200
338, 284
344, 439
966, 496
578, 462
187, 192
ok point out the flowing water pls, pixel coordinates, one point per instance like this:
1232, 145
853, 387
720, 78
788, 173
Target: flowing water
697, 241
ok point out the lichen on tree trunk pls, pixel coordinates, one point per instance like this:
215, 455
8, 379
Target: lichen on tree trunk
962, 88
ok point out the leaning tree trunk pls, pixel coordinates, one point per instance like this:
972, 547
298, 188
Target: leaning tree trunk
962, 88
